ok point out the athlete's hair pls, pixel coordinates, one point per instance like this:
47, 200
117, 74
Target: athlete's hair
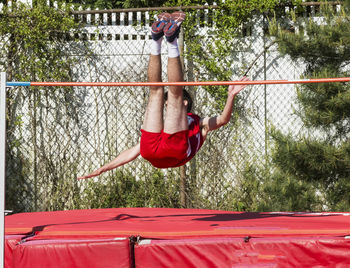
186, 96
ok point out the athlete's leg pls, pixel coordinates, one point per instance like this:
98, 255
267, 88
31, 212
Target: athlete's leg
176, 115
153, 121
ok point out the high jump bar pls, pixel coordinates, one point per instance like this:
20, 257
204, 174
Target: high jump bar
198, 83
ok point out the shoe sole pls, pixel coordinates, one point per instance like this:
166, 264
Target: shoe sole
164, 16
158, 26
178, 17
172, 29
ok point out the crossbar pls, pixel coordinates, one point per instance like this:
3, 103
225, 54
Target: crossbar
198, 83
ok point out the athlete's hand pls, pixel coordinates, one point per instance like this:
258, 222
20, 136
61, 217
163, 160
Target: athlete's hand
93, 174
233, 90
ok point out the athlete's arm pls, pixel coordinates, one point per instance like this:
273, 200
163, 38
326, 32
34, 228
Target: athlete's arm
211, 123
125, 157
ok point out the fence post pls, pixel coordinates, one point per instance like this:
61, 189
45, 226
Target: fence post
264, 25
2, 163
193, 169
182, 168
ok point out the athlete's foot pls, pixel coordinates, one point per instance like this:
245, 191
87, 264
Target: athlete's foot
172, 28
159, 25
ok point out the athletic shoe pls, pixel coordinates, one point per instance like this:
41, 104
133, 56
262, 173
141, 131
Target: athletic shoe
158, 26
172, 29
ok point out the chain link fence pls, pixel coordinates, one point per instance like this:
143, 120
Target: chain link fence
58, 134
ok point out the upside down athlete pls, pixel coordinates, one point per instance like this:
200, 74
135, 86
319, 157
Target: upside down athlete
173, 141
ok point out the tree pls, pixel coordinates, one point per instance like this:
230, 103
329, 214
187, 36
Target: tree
321, 156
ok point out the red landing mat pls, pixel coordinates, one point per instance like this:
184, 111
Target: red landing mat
11, 242
235, 252
99, 253
177, 238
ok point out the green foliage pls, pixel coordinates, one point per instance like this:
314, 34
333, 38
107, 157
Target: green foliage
34, 42
321, 159
215, 52
310, 159
124, 190
265, 189
141, 3
316, 162
106, 4
326, 106
316, 41
35, 38
247, 194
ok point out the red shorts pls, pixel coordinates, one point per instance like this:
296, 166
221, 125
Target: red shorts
164, 150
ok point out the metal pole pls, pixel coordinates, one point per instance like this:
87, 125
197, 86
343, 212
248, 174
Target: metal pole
2, 163
182, 168
265, 88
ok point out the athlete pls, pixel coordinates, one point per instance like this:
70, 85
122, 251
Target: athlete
174, 140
